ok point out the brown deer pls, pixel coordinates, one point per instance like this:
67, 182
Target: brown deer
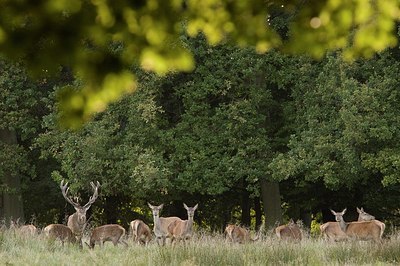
61, 232
108, 232
140, 232
182, 229
290, 231
364, 230
161, 224
237, 234
23, 230
28, 230
331, 230
77, 221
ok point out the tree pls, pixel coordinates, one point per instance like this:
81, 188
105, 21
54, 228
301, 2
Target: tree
345, 134
100, 40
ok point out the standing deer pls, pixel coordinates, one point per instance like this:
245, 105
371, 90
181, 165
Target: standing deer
237, 234
140, 231
332, 231
77, 221
108, 232
290, 231
365, 230
183, 229
161, 223
61, 232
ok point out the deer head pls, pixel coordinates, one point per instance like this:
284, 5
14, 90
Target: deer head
80, 213
190, 211
363, 216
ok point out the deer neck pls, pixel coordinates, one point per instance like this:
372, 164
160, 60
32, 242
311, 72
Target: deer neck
75, 225
343, 225
189, 225
158, 230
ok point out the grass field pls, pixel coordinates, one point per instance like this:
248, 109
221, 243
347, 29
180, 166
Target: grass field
203, 250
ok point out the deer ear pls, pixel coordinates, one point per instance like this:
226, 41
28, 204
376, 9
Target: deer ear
185, 206
344, 211
333, 212
161, 206
151, 206
358, 210
195, 207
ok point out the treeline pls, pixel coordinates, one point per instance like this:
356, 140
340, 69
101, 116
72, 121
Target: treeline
244, 135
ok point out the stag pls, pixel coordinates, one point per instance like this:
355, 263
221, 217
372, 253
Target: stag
161, 224
237, 234
61, 232
365, 230
182, 230
77, 221
140, 231
108, 232
290, 231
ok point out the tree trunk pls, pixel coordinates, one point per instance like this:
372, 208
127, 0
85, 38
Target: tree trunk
111, 209
272, 203
305, 216
257, 209
246, 219
11, 206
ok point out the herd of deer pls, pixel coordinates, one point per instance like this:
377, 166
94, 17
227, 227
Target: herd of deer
176, 229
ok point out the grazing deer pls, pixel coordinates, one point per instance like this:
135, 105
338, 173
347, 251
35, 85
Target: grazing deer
237, 234
183, 229
23, 230
140, 231
161, 223
365, 230
61, 232
77, 221
108, 232
290, 231
28, 230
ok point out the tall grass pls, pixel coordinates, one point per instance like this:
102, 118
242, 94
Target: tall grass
205, 249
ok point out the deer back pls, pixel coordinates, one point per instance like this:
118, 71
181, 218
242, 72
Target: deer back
287, 232
59, 231
29, 229
332, 231
108, 232
365, 230
237, 234
140, 231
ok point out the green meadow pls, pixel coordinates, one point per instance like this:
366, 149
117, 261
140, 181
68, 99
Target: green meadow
204, 249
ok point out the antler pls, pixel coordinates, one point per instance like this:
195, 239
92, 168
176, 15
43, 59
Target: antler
93, 198
64, 190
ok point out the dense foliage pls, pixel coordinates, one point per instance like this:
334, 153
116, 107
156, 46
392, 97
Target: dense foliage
326, 130
100, 39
